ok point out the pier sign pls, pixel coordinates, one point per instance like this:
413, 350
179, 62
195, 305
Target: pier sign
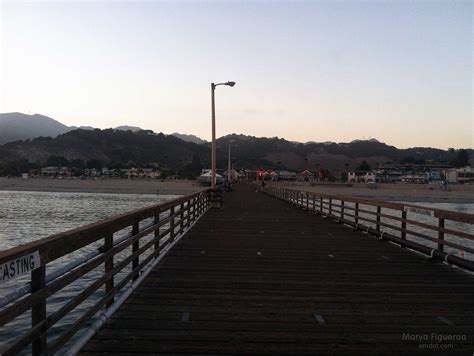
417, 210
19, 266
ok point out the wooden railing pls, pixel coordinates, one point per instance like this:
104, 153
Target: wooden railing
408, 225
153, 230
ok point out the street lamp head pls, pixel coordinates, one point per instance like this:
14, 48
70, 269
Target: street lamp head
231, 84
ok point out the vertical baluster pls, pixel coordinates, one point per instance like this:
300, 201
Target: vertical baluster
172, 224
330, 206
440, 233
314, 204
342, 209
157, 233
108, 265
181, 218
356, 213
194, 208
379, 210
135, 247
38, 310
321, 205
404, 225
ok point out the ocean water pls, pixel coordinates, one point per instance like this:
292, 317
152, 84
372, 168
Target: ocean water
30, 216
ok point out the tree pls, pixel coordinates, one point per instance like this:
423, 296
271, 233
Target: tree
364, 166
94, 163
57, 161
462, 159
77, 163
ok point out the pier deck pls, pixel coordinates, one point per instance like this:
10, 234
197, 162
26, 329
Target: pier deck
262, 276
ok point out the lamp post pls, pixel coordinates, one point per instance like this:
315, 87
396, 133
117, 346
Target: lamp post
213, 149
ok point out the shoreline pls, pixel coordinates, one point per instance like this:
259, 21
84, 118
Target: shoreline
420, 193
103, 186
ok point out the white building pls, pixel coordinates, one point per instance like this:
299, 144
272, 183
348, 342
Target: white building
463, 175
360, 177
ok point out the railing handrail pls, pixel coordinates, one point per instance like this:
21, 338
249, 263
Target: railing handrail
438, 213
180, 215
326, 205
46, 245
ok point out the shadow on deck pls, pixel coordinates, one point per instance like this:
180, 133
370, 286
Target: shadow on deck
261, 276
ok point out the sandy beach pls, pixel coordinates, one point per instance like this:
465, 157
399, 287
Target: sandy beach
122, 186
391, 192
463, 194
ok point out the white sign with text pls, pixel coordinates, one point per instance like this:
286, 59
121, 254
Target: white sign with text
417, 210
19, 266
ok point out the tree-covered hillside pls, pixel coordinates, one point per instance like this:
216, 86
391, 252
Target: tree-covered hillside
114, 148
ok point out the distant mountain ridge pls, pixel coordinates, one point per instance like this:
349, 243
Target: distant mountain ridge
17, 126
189, 138
128, 128
125, 144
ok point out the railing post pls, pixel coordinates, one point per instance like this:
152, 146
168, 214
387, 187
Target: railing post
188, 211
108, 265
404, 225
321, 205
330, 206
314, 204
172, 223
356, 213
157, 233
181, 219
38, 310
342, 209
379, 210
307, 201
195, 210
135, 247
440, 233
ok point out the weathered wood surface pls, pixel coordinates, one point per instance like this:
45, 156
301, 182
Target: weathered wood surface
261, 276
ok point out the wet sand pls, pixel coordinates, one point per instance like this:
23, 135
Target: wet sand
121, 186
431, 193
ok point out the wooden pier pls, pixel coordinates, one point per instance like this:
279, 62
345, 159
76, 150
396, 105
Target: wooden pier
274, 272
261, 276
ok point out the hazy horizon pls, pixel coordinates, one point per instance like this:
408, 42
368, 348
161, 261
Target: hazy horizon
305, 71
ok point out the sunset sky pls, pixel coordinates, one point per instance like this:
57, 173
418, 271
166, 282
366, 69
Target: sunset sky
398, 71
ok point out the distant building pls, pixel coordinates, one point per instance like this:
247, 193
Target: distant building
286, 175
416, 178
463, 175
233, 175
388, 176
150, 173
49, 171
305, 176
361, 177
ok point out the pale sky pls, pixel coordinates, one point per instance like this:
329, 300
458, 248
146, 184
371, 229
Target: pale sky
399, 71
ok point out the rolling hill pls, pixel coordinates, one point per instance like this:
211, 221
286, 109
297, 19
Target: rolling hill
17, 126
